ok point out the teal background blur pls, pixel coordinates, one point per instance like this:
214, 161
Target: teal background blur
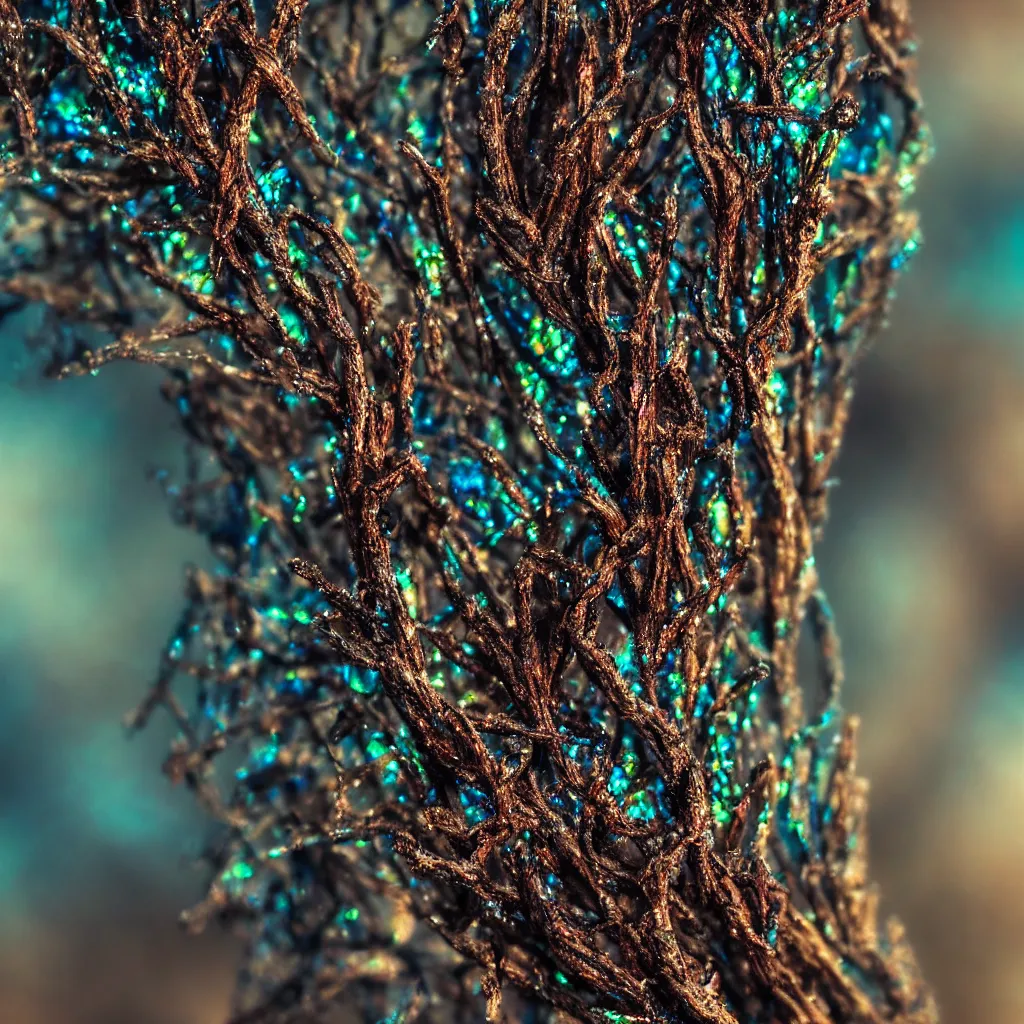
924, 562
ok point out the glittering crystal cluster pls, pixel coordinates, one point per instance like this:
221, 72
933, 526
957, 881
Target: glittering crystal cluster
513, 341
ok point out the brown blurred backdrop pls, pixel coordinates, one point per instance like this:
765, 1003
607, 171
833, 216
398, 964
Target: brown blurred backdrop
924, 562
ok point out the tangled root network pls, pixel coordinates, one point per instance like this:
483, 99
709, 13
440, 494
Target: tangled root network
513, 342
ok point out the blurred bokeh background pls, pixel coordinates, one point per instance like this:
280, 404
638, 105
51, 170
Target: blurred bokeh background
924, 562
